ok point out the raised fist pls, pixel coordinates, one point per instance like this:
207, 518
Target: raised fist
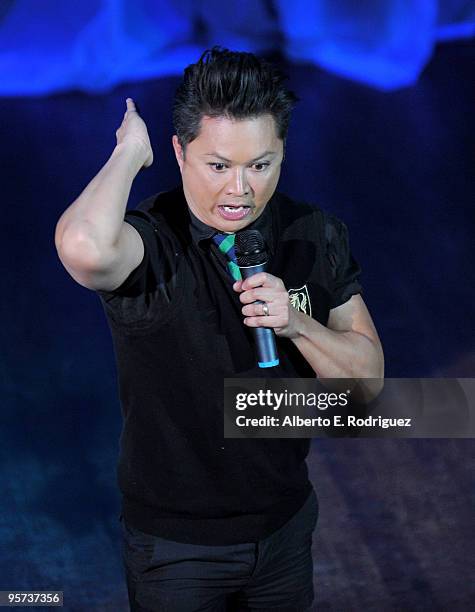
133, 132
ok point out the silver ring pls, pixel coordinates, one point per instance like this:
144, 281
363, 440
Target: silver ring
265, 309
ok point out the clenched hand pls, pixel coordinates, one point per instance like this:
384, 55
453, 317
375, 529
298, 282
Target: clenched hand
133, 133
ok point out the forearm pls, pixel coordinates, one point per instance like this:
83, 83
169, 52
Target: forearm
96, 216
337, 354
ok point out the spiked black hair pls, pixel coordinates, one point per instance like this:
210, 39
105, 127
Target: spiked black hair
233, 84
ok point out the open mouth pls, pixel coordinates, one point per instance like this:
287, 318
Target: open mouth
232, 212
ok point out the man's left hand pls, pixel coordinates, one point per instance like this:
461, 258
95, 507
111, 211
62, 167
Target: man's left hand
282, 316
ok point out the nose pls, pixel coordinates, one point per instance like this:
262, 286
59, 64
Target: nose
238, 184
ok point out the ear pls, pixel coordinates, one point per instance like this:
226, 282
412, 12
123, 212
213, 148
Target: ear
178, 151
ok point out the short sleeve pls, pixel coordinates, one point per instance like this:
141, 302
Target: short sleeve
345, 270
144, 277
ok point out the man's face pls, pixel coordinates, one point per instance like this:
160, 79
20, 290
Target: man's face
231, 170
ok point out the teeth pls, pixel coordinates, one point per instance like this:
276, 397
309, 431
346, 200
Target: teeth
233, 208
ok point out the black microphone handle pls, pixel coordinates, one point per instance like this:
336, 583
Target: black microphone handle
264, 336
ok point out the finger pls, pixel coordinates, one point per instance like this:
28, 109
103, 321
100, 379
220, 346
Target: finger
256, 310
130, 105
237, 286
261, 279
256, 280
266, 294
264, 321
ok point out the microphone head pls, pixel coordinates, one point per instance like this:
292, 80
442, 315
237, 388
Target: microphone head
250, 248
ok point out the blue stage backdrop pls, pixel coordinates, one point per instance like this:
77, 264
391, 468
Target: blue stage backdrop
52, 45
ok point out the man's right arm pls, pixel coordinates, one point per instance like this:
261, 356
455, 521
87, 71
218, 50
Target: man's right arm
95, 245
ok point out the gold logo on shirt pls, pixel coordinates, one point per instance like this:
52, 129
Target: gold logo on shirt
300, 300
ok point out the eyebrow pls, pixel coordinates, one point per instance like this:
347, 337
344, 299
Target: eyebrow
230, 161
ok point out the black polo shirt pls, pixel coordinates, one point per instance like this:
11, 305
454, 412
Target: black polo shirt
177, 330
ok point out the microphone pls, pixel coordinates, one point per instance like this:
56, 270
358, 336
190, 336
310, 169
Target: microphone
251, 257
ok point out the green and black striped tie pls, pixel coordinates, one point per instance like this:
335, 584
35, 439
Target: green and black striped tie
225, 244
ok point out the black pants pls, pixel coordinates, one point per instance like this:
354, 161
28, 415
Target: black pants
275, 573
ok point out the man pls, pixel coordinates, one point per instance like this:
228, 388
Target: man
212, 523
